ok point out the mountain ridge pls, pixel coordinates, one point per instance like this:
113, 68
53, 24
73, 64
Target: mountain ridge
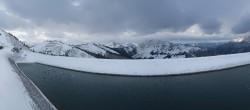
149, 49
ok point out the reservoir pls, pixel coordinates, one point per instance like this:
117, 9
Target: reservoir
71, 90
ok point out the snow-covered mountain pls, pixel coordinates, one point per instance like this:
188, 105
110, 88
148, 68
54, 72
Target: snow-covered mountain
239, 45
89, 50
114, 45
125, 49
241, 39
9, 40
209, 44
150, 49
100, 51
92, 48
156, 49
58, 48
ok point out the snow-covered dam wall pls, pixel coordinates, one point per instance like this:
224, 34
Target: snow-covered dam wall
41, 102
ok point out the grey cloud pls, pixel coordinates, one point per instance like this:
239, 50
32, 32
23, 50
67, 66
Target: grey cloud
200, 39
115, 16
210, 26
11, 22
243, 26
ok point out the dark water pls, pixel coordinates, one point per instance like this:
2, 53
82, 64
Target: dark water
71, 90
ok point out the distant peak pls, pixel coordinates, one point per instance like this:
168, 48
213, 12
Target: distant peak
242, 39
113, 45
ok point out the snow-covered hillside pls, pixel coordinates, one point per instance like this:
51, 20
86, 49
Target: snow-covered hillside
58, 48
13, 95
156, 49
106, 48
151, 49
125, 49
114, 45
52, 48
239, 45
100, 51
242, 39
9, 40
89, 50
90, 47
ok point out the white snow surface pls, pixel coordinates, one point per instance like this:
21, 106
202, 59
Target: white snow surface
238, 39
119, 45
93, 48
161, 49
114, 45
241, 39
107, 49
59, 48
146, 67
13, 95
54, 47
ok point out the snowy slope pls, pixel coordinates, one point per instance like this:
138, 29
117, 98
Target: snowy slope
151, 49
126, 49
12, 92
51, 47
239, 45
156, 49
242, 39
90, 47
13, 95
4, 40
58, 48
100, 51
114, 45
10, 40
130, 48
74, 52
106, 48
89, 50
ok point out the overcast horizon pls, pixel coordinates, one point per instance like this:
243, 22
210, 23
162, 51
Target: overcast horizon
75, 21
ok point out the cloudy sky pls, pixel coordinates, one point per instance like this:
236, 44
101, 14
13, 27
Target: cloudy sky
125, 20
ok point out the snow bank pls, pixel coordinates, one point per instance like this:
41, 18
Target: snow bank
150, 67
13, 95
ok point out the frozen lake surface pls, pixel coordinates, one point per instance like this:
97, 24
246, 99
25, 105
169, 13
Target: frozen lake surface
72, 90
